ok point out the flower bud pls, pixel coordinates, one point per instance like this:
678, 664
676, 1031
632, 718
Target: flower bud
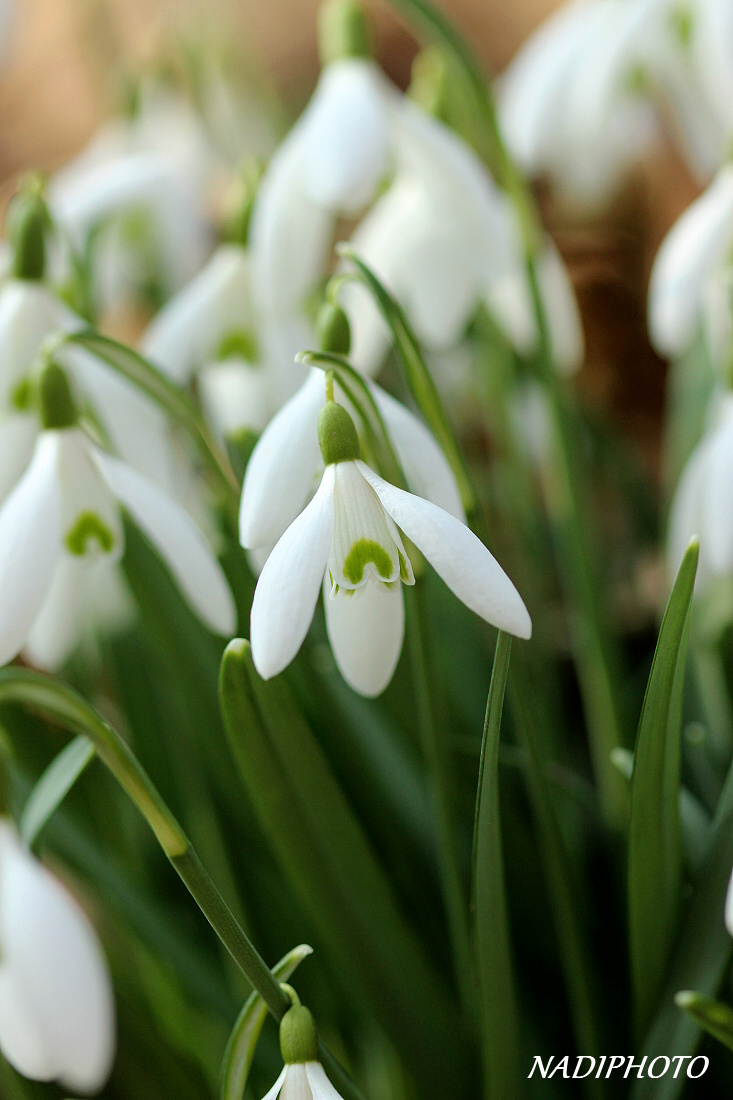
333, 329
57, 406
298, 1036
343, 31
337, 435
27, 223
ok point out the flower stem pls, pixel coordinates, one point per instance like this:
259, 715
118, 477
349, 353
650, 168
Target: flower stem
440, 771
65, 706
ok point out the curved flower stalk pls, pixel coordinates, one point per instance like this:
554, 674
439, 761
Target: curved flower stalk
57, 1018
578, 101
241, 358
703, 502
286, 462
690, 288
64, 517
348, 541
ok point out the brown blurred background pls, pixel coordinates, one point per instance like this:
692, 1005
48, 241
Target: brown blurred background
63, 65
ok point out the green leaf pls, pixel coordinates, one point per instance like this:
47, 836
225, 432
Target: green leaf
330, 866
245, 1034
713, 1016
491, 924
654, 868
417, 375
53, 786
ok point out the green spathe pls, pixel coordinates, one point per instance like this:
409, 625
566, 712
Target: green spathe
56, 403
343, 31
337, 435
298, 1036
333, 329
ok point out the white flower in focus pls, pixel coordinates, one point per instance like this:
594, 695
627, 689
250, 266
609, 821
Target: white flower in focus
729, 907
57, 1019
286, 463
348, 541
243, 361
703, 501
689, 285
303, 1081
66, 513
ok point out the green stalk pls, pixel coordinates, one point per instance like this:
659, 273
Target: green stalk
596, 678
440, 772
63, 705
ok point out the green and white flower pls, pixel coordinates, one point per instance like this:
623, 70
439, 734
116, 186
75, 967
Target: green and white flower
348, 541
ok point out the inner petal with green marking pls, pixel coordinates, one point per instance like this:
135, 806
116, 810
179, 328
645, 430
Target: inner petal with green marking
366, 542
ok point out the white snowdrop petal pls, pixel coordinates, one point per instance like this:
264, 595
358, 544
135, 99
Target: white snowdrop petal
17, 436
296, 1085
274, 1092
20, 1040
692, 249
321, 1087
563, 314
57, 626
90, 516
179, 542
426, 468
282, 468
364, 543
457, 555
685, 513
366, 629
717, 498
53, 956
287, 590
188, 330
30, 542
344, 133
29, 312
729, 907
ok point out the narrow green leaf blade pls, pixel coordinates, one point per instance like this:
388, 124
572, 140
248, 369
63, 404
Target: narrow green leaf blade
240, 1049
654, 866
54, 785
491, 926
713, 1016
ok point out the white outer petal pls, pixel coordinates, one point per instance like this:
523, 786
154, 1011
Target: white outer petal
283, 467
30, 543
729, 907
57, 627
179, 542
296, 1085
29, 312
54, 961
717, 498
321, 1087
426, 468
366, 631
686, 514
563, 314
17, 437
696, 244
458, 557
186, 333
287, 591
274, 1092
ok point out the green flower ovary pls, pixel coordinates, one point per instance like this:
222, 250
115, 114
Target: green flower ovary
89, 527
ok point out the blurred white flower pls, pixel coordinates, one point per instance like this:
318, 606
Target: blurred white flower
57, 1019
303, 1081
286, 462
703, 501
689, 290
242, 359
347, 541
64, 514
729, 907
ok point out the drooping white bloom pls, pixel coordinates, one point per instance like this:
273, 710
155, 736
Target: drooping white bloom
30, 313
303, 1081
348, 541
57, 1019
703, 501
66, 511
286, 463
689, 290
729, 907
213, 330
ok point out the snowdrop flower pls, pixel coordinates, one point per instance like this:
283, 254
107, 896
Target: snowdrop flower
703, 502
213, 330
287, 462
66, 511
729, 907
689, 288
303, 1077
348, 541
57, 1019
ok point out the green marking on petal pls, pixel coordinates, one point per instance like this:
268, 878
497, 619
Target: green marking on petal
89, 527
239, 343
361, 554
404, 569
